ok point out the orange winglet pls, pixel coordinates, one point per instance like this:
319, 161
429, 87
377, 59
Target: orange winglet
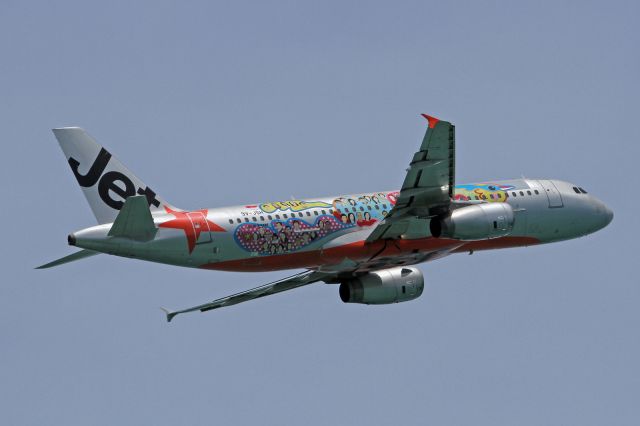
432, 120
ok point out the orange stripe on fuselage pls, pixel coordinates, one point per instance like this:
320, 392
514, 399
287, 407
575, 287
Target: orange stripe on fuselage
361, 252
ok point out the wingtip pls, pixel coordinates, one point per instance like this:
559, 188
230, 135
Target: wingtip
431, 119
67, 128
168, 313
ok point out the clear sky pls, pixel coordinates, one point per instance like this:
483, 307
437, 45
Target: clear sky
227, 103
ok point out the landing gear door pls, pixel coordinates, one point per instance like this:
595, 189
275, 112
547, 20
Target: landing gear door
200, 226
553, 195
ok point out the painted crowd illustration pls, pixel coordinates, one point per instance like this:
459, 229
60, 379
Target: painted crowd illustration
298, 227
288, 234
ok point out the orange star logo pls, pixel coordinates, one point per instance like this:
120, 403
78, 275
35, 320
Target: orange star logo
192, 223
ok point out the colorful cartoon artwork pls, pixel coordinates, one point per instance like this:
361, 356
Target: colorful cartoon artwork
289, 235
293, 205
364, 210
485, 191
285, 236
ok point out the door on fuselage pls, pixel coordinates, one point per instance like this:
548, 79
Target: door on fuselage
553, 195
200, 226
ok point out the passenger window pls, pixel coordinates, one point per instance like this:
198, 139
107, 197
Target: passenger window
255, 219
582, 190
330, 212
495, 225
476, 197
238, 220
377, 207
528, 192
246, 219
285, 216
514, 194
270, 217
522, 193
369, 207
315, 212
576, 190
536, 191
277, 216
324, 212
308, 213
361, 208
262, 218
231, 221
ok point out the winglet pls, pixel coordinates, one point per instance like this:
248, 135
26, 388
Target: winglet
169, 314
432, 120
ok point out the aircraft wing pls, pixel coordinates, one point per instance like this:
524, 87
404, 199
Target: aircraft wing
428, 187
295, 281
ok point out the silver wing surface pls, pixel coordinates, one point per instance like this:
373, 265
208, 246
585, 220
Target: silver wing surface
295, 281
428, 187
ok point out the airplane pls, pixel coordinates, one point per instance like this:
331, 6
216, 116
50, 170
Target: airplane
367, 243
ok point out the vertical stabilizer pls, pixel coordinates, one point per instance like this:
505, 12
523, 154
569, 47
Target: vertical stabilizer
105, 181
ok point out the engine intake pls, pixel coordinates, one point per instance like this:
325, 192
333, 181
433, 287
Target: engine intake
383, 287
474, 223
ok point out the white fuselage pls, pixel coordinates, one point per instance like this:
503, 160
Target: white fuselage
322, 232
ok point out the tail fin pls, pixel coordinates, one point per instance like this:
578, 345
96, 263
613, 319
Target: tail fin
105, 181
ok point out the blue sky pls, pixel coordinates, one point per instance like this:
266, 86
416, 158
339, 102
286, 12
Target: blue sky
217, 104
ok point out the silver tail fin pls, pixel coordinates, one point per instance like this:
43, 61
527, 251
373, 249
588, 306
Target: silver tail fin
105, 181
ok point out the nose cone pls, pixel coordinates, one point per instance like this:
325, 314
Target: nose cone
603, 215
608, 216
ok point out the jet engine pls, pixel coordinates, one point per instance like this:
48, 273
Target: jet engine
474, 223
383, 287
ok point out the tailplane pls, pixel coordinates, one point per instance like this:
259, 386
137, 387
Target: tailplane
82, 254
105, 181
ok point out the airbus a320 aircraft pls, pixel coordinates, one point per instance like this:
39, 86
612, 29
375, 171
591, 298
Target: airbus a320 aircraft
366, 243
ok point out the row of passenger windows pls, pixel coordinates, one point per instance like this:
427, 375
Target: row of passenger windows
579, 190
307, 213
376, 206
277, 216
515, 194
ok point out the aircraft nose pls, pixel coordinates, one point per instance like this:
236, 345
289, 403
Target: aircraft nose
608, 215
603, 215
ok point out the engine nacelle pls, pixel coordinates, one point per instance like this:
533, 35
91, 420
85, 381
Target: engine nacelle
383, 287
477, 222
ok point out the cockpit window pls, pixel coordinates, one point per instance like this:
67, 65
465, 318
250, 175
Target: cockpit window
582, 190
576, 190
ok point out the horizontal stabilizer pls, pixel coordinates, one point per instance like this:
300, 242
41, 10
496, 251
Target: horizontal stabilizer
71, 258
134, 220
